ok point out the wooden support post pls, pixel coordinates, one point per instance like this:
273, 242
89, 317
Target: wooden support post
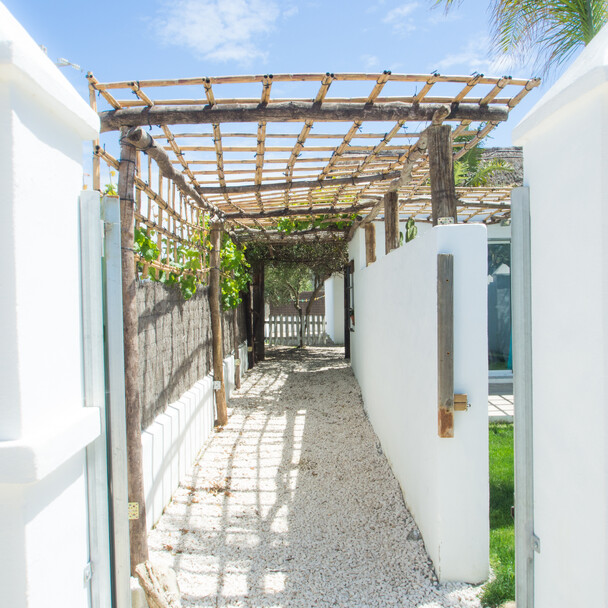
441, 169
445, 344
258, 312
370, 244
235, 341
137, 506
347, 296
247, 300
391, 220
215, 237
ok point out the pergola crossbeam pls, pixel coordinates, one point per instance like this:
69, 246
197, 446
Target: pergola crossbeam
295, 112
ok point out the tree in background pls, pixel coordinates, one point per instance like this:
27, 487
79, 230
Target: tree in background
285, 283
296, 267
550, 31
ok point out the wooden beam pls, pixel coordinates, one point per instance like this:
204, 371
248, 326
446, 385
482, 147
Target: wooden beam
142, 140
258, 311
370, 244
441, 169
138, 533
313, 183
215, 237
391, 221
301, 210
294, 111
445, 344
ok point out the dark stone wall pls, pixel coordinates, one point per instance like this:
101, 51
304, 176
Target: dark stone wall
175, 343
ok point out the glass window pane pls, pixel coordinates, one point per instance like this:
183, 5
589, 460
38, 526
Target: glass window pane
499, 306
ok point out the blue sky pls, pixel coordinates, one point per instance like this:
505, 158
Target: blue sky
135, 40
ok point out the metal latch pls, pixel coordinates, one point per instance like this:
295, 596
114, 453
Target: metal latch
461, 403
535, 543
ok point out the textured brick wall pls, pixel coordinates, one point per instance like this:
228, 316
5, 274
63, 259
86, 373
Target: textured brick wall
175, 344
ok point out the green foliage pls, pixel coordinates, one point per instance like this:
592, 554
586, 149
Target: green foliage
321, 222
234, 269
548, 30
187, 261
411, 230
470, 170
502, 531
283, 283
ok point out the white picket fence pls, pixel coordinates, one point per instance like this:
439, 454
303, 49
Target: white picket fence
284, 330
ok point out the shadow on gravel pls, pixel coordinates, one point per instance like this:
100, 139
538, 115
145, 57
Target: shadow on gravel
293, 503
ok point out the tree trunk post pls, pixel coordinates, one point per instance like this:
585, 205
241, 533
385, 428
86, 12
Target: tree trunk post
441, 169
219, 390
391, 220
138, 535
370, 243
248, 299
235, 342
258, 312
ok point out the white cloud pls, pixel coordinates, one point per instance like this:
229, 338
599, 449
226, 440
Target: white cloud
370, 61
475, 57
221, 30
399, 18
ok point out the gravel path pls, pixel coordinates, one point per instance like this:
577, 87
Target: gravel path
293, 504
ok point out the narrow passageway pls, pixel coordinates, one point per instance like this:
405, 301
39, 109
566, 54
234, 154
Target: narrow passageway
293, 504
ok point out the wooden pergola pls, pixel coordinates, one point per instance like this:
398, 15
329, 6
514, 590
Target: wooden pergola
242, 152
234, 148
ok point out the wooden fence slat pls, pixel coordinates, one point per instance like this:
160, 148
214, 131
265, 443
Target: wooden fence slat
284, 330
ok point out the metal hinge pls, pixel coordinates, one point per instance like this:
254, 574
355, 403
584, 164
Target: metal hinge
535, 543
87, 573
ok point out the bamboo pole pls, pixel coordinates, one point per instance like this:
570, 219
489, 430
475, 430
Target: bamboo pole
96, 160
215, 236
143, 141
137, 506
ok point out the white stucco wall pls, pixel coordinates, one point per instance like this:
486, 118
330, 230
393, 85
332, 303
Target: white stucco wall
334, 308
394, 357
172, 442
44, 428
565, 141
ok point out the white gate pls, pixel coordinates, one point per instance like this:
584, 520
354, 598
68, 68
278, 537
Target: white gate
284, 330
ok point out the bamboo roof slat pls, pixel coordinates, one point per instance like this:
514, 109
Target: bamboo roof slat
345, 166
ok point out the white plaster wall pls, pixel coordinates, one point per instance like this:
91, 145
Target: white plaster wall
334, 308
569, 223
44, 428
172, 442
394, 357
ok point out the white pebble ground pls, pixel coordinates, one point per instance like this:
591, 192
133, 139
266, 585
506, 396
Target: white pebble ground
293, 504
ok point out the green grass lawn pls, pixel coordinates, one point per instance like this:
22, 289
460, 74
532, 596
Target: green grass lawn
502, 528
